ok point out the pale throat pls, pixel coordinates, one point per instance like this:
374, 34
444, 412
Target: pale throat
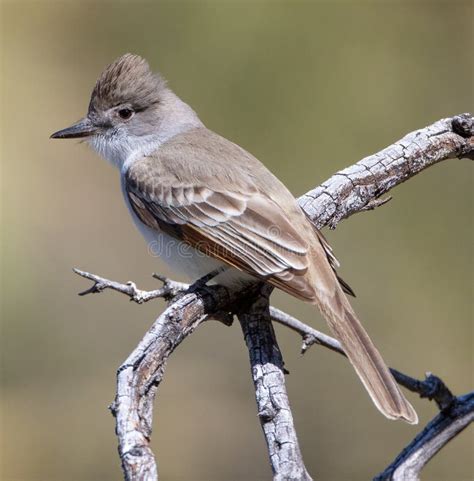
121, 148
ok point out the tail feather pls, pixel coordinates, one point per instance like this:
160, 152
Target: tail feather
365, 358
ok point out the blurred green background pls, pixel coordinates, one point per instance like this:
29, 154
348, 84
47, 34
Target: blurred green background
309, 88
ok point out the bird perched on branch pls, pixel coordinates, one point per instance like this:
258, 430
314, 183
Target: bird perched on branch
204, 205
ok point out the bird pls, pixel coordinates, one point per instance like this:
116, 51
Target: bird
207, 205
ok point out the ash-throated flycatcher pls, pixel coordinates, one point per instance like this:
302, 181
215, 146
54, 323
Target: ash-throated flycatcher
184, 183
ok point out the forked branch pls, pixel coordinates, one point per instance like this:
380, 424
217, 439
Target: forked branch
354, 189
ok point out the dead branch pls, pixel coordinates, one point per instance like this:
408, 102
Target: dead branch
169, 290
140, 375
351, 190
360, 186
267, 367
438, 432
268, 375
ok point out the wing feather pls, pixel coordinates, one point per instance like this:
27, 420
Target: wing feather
246, 230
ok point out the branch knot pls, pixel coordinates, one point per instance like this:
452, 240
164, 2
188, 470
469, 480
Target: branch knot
463, 125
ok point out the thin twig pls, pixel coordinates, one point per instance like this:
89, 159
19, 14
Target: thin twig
310, 336
169, 290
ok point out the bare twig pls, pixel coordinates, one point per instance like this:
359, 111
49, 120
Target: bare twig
432, 388
310, 336
352, 190
169, 290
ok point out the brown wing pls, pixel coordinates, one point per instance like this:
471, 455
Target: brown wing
332, 259
246, 230
333, 262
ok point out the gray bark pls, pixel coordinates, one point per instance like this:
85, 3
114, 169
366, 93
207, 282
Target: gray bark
268, 375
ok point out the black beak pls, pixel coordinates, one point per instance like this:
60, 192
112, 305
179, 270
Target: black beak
83, 128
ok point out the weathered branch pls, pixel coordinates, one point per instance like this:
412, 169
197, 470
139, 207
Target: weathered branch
268, 376
140, 375
352, 190
444, 427
267, 372
360, 186
432, 387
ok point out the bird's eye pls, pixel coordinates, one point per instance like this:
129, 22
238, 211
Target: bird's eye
125, 114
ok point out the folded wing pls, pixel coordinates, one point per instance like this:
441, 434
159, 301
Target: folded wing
244, 229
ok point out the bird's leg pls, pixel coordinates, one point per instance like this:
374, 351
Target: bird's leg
205, 279
226, 316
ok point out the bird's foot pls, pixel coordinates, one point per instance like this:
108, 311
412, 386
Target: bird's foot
200, 283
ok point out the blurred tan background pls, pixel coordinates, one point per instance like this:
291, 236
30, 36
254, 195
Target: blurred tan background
309, 88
